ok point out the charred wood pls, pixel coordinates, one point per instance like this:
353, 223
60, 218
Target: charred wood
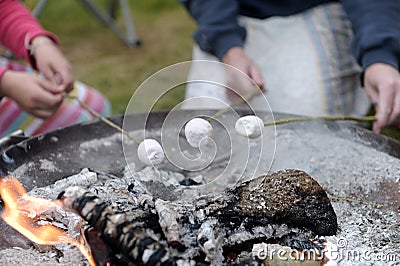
117, 228
168, 222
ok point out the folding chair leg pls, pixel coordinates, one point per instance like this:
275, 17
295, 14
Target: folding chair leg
38, 8
130, 28
129, 37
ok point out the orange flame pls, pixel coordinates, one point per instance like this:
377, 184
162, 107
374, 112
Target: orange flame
21, 210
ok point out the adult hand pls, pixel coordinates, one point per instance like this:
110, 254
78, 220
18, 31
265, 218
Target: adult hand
52, 64
382, 83
34, 94
237, 58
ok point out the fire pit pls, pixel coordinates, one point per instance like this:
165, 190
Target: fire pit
357, 169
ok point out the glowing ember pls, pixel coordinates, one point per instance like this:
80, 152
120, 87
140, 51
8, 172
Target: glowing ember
21, 212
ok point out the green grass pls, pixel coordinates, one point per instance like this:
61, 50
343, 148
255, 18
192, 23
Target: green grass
102, 60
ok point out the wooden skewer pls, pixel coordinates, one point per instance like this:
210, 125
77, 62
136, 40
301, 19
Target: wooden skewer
256, 90
326, 118
240, 100
102, 118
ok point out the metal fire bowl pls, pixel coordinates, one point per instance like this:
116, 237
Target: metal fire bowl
62, 148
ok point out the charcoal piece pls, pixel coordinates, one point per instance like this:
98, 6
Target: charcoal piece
288, 196
208, 242
168, 222
98, 248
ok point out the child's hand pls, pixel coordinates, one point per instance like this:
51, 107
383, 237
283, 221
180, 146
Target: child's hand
52, 64
34, 94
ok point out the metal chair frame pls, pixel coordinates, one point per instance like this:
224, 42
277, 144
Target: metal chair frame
128, 36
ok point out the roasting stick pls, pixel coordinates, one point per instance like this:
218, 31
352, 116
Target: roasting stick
240, 100
326, 118
256, 90
102, 118
149, 151
250, 126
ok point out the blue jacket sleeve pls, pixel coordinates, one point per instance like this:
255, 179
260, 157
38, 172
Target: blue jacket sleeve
376, 26
218, 29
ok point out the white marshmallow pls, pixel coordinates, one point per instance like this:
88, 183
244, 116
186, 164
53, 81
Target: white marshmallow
249, 126
196, 130
150, 152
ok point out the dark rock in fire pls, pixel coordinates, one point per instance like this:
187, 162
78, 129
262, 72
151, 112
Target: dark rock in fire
289, 196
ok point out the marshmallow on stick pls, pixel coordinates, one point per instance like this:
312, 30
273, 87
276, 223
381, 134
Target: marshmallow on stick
196, 130
249, 126
150, 152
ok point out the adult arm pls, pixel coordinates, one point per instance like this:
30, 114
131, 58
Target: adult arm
218, 29
377, 48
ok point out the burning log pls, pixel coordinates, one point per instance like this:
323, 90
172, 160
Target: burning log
214, 228
117, 228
